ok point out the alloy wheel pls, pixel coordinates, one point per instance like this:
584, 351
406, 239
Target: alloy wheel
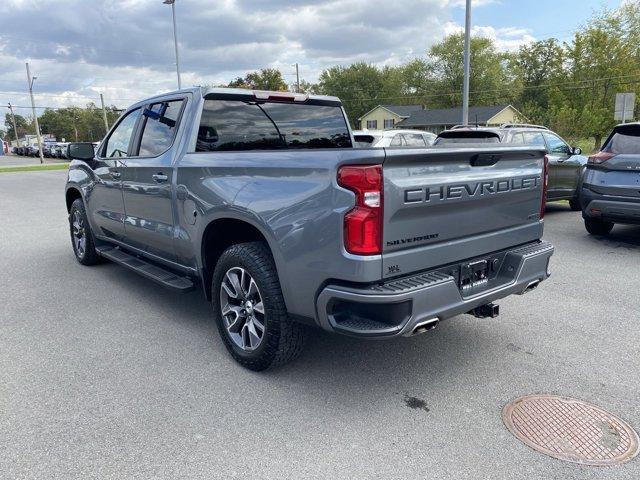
242, 309
79, 234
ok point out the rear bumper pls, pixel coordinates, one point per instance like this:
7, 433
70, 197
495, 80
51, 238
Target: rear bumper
610, 208
396, 307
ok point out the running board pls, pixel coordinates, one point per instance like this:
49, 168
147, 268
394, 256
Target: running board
152, 272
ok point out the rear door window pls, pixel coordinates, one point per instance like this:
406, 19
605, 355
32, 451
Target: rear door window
398, 141
232, 125
414, 140
161, 122
534, 138
625, 140
518, 139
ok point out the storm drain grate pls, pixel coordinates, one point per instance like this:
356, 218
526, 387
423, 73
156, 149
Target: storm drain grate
571, 430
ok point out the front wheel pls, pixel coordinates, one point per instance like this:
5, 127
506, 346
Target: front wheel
597, 227
81, 236
250, 311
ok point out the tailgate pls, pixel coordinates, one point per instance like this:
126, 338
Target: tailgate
446, 205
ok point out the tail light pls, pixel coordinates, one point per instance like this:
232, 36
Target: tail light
545, 186
600, 157
363, 223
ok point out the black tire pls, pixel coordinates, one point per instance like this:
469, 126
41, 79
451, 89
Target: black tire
574, 203
597, 227
282, 339
85, 252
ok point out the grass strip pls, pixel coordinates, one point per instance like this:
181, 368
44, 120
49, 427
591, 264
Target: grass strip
34, 168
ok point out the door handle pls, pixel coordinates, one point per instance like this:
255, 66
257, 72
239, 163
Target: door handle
160, 177
115, 174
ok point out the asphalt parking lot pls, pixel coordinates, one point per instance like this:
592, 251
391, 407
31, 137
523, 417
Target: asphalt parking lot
106, 375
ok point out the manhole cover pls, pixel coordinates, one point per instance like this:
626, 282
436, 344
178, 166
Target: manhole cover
571, 430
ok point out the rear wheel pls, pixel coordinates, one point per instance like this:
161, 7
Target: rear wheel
250, 311
597, 227
81, 236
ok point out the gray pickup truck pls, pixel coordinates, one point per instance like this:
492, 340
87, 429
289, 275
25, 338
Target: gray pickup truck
261, 199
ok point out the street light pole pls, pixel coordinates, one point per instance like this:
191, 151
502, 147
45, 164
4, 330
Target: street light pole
467, 64
30, 81
175, 37
297, 79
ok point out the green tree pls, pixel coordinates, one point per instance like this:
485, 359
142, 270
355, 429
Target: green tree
24, 126
360, 87
73, 123
538, 67
490, 80
601, 63
265, 79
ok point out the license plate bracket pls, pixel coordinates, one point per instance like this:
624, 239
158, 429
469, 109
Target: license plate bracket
474, 274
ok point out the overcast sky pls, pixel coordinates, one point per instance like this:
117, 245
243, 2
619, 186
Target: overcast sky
124, 48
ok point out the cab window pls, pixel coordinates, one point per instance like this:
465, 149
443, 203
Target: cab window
117, 145
160, 125
237, 125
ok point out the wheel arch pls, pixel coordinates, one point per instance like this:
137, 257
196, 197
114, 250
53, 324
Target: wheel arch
71, 195
212, 246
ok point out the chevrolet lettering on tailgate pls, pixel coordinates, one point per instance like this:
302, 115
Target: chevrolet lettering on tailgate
470, 190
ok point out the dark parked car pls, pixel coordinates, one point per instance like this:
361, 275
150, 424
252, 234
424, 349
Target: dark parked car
611, 187
566, 163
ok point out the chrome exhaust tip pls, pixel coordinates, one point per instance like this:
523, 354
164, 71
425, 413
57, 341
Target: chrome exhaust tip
425, 326
532, 286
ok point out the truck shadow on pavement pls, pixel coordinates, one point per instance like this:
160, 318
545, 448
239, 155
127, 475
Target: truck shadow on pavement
346, 367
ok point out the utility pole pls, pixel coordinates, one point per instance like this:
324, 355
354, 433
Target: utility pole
75, 127
15, 126
467, 64
104, 116
30, 81
175, 37
297, 79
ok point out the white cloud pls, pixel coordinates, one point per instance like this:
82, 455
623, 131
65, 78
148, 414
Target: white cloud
124, 49
505, 38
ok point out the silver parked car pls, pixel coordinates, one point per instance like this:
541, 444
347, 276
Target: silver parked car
566, 163
393, 138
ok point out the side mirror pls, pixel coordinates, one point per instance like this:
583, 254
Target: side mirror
80, 151
576, 151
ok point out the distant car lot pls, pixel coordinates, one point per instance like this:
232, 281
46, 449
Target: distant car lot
104, 374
